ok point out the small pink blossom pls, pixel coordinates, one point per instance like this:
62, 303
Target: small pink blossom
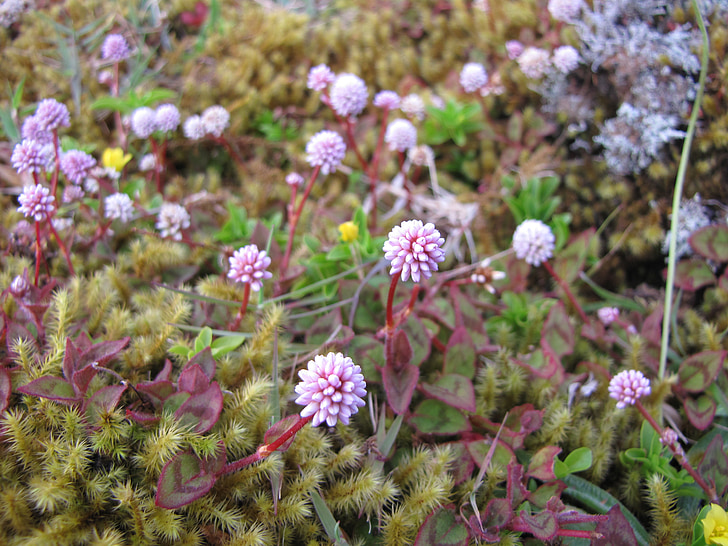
52, 114
386, 99
534, 62
401, 135
248, 265
533, 241
413, 249
628, 386
320, 77
294, 180
607, 315
472, 77
514, 48
115, 48
332, 389
215, 120
36, 202
348, 95
325, 149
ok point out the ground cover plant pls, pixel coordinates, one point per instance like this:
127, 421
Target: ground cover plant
427, 273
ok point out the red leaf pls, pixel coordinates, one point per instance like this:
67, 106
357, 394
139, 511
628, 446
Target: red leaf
616, 530
697, 372
460, 354
71, 357
192, 379
691, 275
103, 401
558, 331
542, 525
277, 430
6, 388
202, 410
711, 242
541, 466
455, 390
399, 386
81, 378
50, 387
700, 411
443, 527
206, 362
714, 466
158, 391
402, 350
102, 352
186, 478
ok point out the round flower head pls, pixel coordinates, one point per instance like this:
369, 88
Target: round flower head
413, 106
36, 202
472, 77
413, 249
76, 165
627, 387
386, 99
564, 10
248, 265
514, 48
294, 180
565, 59
349, 232
534, 62
115, 48
143, 122
607, 315
332, 389
327, 150
72, 193
167, 117
534, 242
30, 156
401, 135
669, 437
19, 287
349, 95
33, 129
118, 206
193, 128
320, 77
421, 155
148, 162
52, 114
171, 220
215, 120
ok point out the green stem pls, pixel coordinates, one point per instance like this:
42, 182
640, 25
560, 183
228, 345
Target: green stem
677, 196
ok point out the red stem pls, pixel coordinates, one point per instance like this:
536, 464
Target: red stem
57, 169
157, 172
389, 330
62, 247
567, 290
243, 308
294, 221
38, 254
117, 114
374, 170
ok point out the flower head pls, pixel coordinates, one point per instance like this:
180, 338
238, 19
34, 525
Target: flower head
34, 129
118, 206
485, 275
332, 389
421, 155
52, 114
349, 95
294, 180
565, 59
215, 120
76, 165
607, 315
534, 62
414, 250
413, 106
327, 150
72, 193
193, 128
534, 242
166, 117
320, 77
148, 162
628, 386
715, 526
30, 156
514, 48
349, 231
401, 135
248, 265
386, 99
115, 48
172, 219
564, 10
143, 122
472, 77
36, 202
115, 158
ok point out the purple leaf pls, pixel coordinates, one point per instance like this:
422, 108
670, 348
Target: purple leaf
102, 352
558, 331
435, 417
691, 275
399, 386
157, 391
714, 466
546, 492
50, 387
192, 379
166, 372
202, 410
700, 411
70, 359
402, 350
6, 388
711, 242
453, 389
206, 362
103, 401
616, 530
697, 372
186, 478
419, 339
498, 513
81, 378
516, 492
277, 430
173, 402
541, 466
542, 525
141, 417
460, 354
443, 527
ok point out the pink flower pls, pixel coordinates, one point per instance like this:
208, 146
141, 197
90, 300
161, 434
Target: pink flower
514, 48
332, 389
401, 135
215, 120
320, 77
30, 156
33, 129
294, 180
193, 128
171, 220
36, 202
414, 250
386, 99
534, 62
52, 114
143, 122
565, 59
607, 315
533, 242
248, 265
472, 77
115, 48
628, 386
166, 117
325, 149
76, 165
565, 10
349, 95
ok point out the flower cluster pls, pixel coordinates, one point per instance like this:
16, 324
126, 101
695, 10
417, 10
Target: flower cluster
171, 220
325, 149
118, 206
76, 165
413, 249
294, 179
472, 77
30, 156
401, 135
115, 48
36, 202
607, 315
534, 62
386, 99
628, 386
248, 265
533, 241
213, 121
320, 77
332, 389
348, 95
145, 121
52, 114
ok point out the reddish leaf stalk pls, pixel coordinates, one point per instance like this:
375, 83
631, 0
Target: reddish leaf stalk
38, 254
678, 452
567, 290
293, 222
117, 114
159, 157
374, 170
266, 449
243, 308
57, 161
63, 248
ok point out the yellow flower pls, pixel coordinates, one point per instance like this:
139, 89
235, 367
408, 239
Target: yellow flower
715, 526
349, 232
115, 158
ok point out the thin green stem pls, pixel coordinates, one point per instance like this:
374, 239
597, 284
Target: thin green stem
677, 196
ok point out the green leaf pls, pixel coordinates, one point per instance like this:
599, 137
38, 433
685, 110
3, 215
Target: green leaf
692, 275
577, 461
225, 344
453, 389
50, 387
460, 354
331, 526
187, 478
435, 417
339, 253
711, 242
697, 372
443, 527
204, 339
558, 331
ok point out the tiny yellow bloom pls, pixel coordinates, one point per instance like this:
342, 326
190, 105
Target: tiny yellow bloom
115, 158
715, 526
349, 232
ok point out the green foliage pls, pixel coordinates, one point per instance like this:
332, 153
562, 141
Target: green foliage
453, 122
